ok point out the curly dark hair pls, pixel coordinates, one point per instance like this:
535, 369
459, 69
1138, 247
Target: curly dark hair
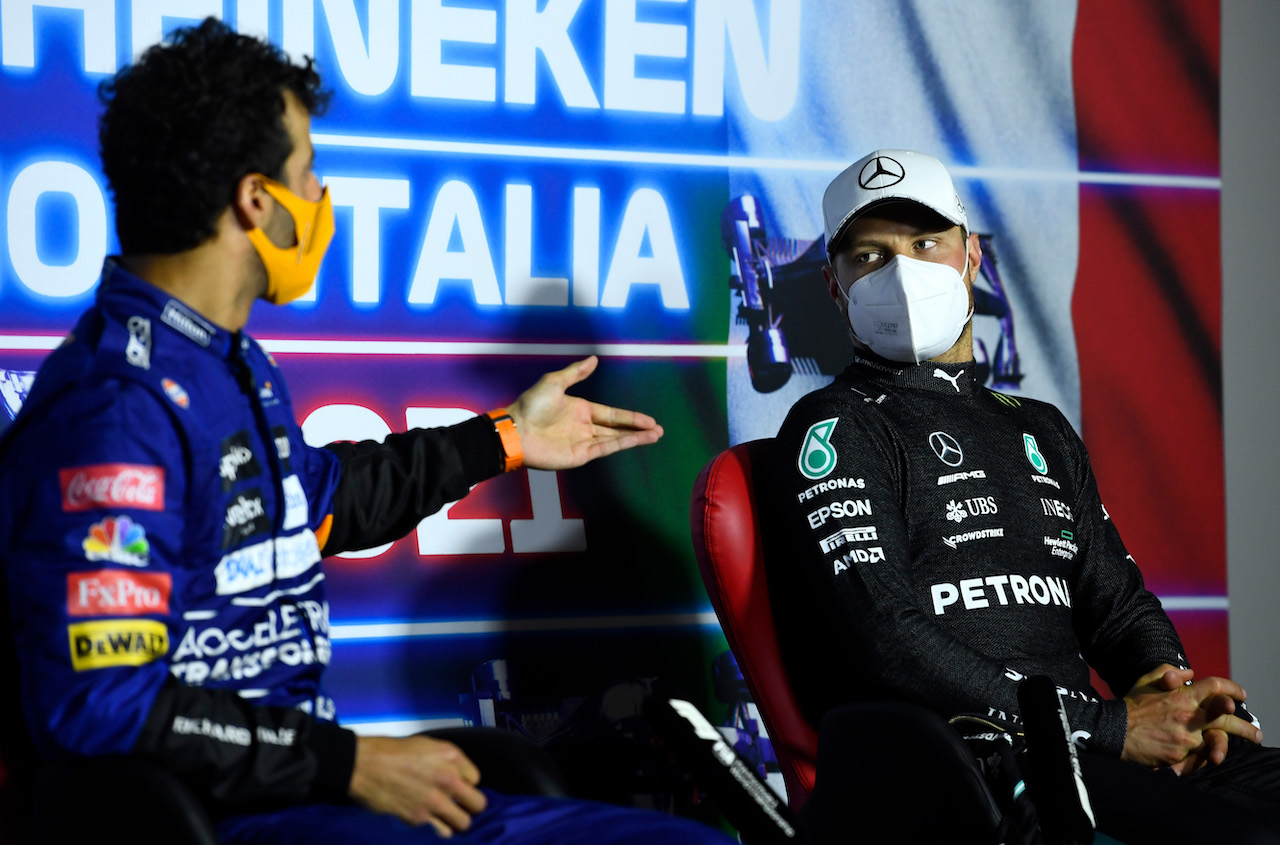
186, 122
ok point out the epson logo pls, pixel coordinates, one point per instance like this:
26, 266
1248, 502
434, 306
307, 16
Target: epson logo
977, 593
840, 510
831, 484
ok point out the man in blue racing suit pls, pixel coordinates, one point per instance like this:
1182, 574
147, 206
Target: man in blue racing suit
164, 521
944, 542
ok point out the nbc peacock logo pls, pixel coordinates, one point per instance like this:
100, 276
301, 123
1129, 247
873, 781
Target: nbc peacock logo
117, 539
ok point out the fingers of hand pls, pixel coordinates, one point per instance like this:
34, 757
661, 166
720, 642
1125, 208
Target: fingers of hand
1219, 704
1174, 678
1215, 742
574, 373
1209, 687
444, 804
1235, 726
610, 417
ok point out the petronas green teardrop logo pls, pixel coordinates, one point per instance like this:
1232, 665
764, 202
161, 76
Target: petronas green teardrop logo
1033, 454
817, 455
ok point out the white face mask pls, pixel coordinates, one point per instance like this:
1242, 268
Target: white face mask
909, 310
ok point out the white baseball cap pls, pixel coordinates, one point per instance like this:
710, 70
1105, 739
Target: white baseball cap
890, 175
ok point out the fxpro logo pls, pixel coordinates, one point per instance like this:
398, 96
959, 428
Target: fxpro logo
839, 510
979, 593
116, 592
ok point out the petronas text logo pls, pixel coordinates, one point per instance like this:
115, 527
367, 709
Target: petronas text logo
817, 455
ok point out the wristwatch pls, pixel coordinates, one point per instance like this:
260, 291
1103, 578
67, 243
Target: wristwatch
505, 427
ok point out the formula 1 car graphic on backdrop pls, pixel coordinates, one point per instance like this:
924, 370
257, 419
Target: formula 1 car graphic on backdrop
14, 387
791, 326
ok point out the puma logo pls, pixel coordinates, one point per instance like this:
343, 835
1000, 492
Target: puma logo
938, 372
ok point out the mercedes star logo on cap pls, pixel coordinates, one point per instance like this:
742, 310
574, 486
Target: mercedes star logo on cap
881, 172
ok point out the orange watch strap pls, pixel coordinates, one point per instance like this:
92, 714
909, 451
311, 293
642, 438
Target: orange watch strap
513, 453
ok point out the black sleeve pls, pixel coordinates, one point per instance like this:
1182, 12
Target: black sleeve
240, 756
385, 489
1122, 627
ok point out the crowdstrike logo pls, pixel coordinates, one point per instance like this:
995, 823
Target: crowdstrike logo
880, 173
984, 534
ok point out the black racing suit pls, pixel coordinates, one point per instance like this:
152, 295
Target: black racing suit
934, 541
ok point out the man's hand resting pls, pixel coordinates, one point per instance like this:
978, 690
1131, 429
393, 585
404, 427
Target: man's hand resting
1182, 726
558, 431
420, 779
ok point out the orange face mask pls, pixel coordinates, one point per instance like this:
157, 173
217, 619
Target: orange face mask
291, 271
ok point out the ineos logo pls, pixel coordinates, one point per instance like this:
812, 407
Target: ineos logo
946, 448
881, 172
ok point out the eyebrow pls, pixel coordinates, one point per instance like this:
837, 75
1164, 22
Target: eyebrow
868, 240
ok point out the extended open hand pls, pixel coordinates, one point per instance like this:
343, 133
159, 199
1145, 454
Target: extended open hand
558, 431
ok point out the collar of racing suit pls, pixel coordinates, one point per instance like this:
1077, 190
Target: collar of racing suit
952, 379
125, 294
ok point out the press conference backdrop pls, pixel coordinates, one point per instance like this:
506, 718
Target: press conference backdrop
519, 183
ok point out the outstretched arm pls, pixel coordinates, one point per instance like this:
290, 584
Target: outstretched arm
559, 431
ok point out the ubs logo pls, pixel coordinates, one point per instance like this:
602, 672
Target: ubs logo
946, 448
881, 172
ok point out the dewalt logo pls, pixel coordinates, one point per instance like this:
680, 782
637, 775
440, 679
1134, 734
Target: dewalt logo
131, 642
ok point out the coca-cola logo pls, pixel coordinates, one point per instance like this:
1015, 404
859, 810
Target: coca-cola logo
112, 486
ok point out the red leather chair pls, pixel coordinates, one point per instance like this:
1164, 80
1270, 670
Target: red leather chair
727, 542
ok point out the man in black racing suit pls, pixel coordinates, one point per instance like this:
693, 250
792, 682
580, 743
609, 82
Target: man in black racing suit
944, 542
